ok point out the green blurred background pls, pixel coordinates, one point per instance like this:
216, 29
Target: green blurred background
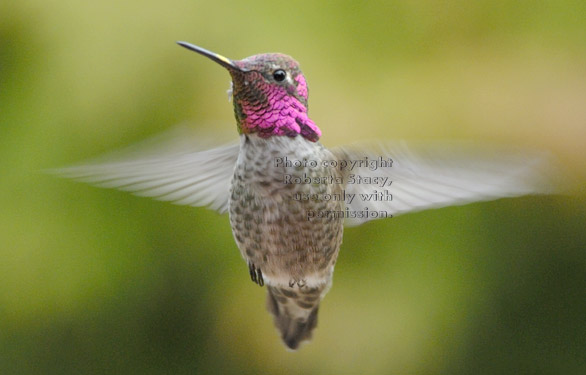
99, 281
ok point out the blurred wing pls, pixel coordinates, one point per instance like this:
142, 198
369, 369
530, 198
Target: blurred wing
439, 175
168, 170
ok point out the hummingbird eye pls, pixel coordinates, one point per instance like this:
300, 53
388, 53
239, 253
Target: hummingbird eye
279, 75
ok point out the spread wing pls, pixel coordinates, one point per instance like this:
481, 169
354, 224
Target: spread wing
438, 175
176, 168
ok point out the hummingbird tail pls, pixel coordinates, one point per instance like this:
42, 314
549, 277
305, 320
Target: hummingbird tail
295, 311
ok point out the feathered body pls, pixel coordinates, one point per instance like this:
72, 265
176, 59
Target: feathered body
293, 254
284, 248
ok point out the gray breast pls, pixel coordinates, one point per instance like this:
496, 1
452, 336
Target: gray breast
283, 208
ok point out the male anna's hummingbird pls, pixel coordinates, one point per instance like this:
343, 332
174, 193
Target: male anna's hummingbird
288, 196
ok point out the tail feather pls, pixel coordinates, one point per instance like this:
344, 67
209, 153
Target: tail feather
295, 312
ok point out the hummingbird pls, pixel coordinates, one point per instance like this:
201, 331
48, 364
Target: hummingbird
289, 198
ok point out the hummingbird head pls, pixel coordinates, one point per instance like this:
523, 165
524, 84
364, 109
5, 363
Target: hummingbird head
270, 94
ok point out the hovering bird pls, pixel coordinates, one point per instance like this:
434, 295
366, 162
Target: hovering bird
289, 197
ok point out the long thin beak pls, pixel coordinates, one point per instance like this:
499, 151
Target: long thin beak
224, 61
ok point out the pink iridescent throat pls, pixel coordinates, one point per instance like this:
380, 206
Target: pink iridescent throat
279, 112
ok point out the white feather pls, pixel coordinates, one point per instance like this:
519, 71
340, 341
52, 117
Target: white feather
440, 174
175, 167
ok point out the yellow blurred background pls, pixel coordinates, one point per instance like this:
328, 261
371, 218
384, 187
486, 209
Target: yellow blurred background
100, 281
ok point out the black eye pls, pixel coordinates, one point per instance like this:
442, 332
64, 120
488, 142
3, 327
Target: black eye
279, 75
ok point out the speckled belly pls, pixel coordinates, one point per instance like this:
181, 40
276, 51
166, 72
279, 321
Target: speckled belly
289, 229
